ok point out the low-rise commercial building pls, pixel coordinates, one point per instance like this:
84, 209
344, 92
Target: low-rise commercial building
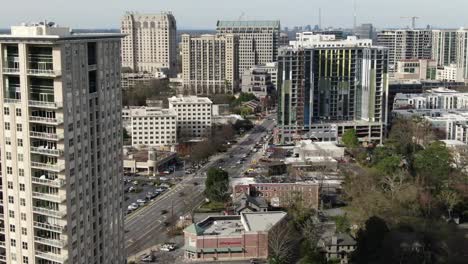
234, 237
257, 82
437, 98
147, 161
194, 116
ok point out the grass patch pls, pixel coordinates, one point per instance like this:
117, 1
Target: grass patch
211, 207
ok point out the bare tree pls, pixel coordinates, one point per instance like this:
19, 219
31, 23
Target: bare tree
394, 183
450, 199
282, 243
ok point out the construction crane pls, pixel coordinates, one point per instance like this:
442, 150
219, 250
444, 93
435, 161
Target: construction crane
413, 21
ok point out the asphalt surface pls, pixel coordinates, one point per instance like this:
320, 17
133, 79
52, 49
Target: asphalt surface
148, 226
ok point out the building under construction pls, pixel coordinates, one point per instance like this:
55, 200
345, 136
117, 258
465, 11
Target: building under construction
326, 86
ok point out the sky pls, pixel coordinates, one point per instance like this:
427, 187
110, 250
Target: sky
203, 14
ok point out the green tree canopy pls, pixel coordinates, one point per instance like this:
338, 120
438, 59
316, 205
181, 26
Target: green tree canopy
433, 164
217, 185
350, 138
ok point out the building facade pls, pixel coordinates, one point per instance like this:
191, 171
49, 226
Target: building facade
150, 43
258, 41
416, 69
405, 44
257, 82
232, 237
209, 64
152, 126
193, 116
365, 31
326, 85
444, 47
61, 151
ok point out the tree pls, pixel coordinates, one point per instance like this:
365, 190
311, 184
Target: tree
201, 151
433, 165
350, 138
450, 199
281, 243
342, 224
369, 241
217, 185
243, 125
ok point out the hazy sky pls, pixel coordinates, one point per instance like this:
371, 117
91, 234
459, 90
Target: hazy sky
202, 14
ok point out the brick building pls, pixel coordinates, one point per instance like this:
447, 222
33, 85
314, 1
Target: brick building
234, 237
280, 194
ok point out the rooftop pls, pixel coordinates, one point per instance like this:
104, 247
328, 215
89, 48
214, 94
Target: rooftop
236, 224
151, 111
189, 99
51, 31
251, 23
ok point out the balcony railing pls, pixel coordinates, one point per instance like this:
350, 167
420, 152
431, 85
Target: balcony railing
46, 151
46, 120
11, 101
47, 136
51, 227
51, 256
11, 70
44, 72
51, 242
53, 183
43, 104
57, 167
49, 212
58, 198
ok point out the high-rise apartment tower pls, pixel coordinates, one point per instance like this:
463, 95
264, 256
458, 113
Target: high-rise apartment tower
150, 43
61, 147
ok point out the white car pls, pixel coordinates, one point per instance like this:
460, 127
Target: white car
167, 247
141, 201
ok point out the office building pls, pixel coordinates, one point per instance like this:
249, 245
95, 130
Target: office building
209, 64
416, 69
450, 73
232, 237
364, 31
152, 126
130, 80
462, 52
150, 43
257, 82
61, 154
258, 41
405, 44
326, 86
193, 116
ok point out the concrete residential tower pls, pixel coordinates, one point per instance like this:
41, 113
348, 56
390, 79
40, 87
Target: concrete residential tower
150, 43
258, 41
61, 146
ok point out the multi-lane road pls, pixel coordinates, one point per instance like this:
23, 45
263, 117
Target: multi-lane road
147, 227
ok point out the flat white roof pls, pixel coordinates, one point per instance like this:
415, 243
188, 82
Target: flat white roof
189, 99
261, 221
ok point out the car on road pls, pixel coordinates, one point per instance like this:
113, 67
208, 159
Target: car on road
148, 258
163, 211
167, 247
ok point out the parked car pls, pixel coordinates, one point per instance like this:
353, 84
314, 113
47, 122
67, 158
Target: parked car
141, 201
148, 258
167, 247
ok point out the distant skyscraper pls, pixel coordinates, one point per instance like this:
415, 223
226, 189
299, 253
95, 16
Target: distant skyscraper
405, 44
462, 51
444, 46
364, 31
61, 146
209, 64
258, 41
150, 44
326, 86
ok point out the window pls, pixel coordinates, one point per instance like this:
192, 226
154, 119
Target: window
11, 199
20, 157
18, 111
12, 228
7, 126
25, 245
11, 214
25, 260
19, 127
22, 202
13, 242
10, 185
22, 186
20, 142
24, 231
6, 110
23, 216
9, 170
21, 172
7, 141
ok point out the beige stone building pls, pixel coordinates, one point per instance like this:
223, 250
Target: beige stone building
193, 116
150, 43
61, 158
209, 64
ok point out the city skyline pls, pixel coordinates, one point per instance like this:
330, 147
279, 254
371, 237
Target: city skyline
193, 15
